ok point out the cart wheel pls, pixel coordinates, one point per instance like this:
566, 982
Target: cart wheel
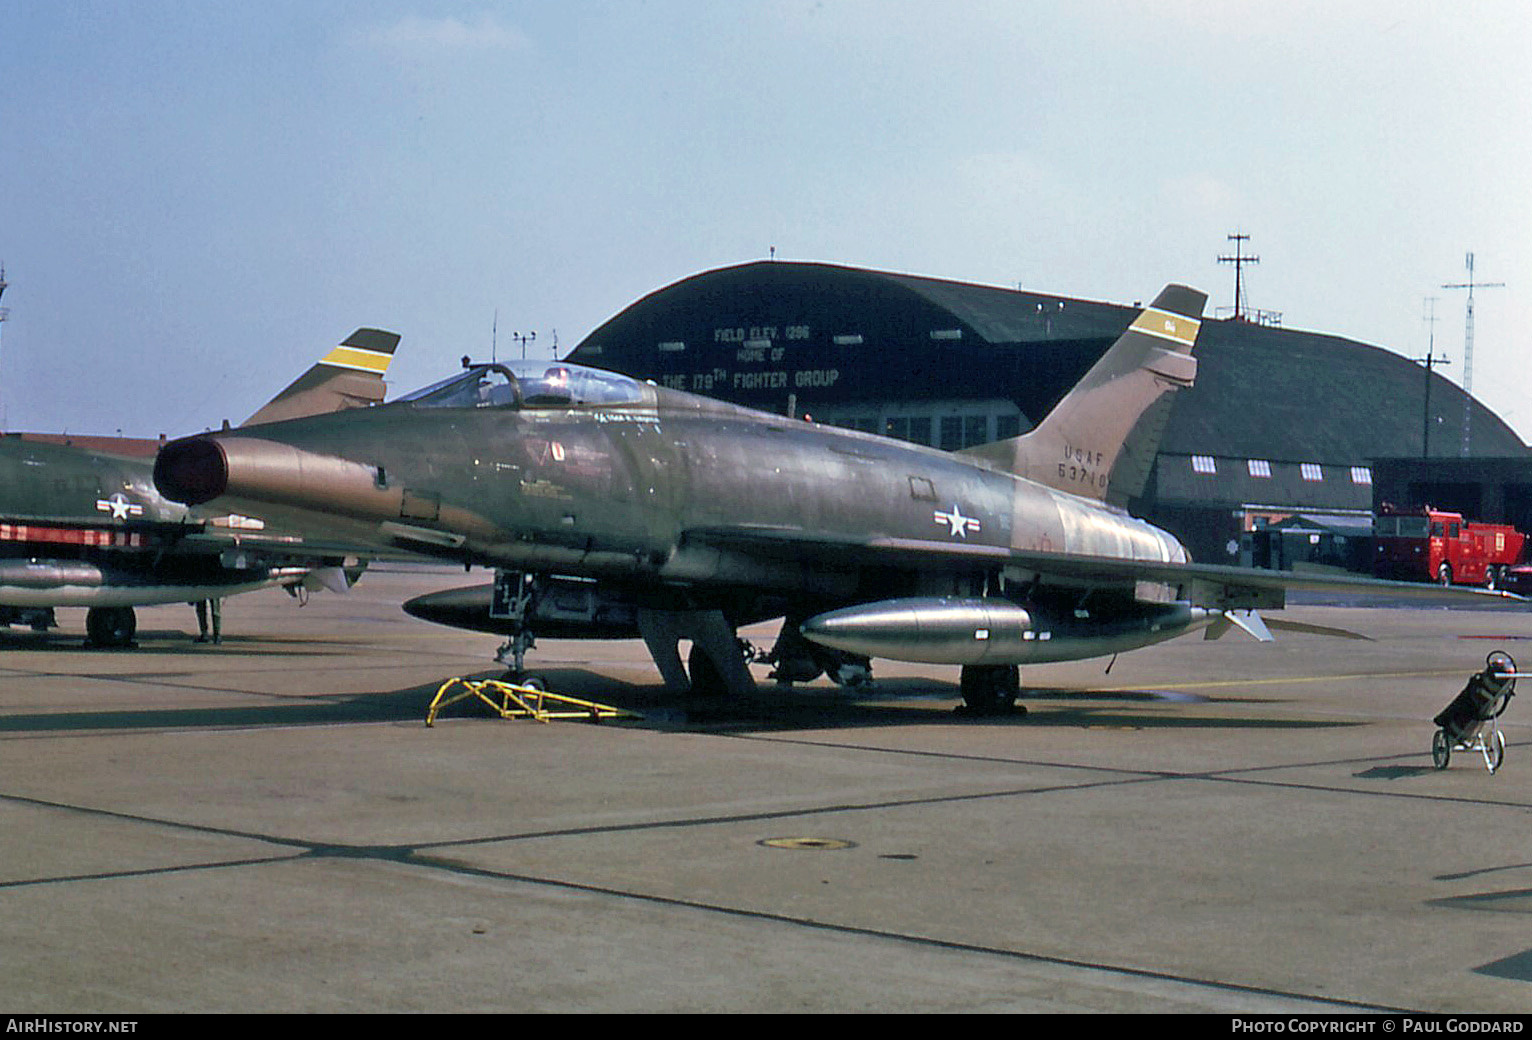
1494, 751
1441, 749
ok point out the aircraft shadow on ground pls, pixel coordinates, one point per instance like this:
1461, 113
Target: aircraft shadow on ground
894, 702
408, 705
175, 642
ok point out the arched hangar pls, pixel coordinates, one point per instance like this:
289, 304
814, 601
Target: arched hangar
1282, 426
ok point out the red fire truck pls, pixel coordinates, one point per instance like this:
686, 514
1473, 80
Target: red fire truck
1431, 545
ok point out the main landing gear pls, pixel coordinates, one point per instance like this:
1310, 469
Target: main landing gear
110, 628
716, 664
991, 689
796, 660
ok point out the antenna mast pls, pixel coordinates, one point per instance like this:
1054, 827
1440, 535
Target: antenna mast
1430, 361
5, 312
1470, 285
1239, 260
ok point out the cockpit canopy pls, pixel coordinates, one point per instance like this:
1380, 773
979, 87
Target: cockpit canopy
529, 384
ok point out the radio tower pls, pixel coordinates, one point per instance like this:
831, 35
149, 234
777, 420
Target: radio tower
1470, 285
5, 312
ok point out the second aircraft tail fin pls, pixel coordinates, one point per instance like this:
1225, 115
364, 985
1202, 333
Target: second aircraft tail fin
1101, 439
349, 376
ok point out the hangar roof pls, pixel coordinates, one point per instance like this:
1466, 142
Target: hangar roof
1261, 392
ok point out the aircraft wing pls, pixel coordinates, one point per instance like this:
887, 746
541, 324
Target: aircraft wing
1210, 585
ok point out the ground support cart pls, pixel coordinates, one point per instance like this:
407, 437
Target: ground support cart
1472, 721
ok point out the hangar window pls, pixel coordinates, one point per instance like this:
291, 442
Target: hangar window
1204, 464
952, 432
1007, 426
1258, 467
1361, 475
1312, 471
916, 428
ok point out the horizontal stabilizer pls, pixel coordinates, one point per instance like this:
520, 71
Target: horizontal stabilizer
1248, 620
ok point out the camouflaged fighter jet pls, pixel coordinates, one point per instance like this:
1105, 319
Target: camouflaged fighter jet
81, 524
612, 508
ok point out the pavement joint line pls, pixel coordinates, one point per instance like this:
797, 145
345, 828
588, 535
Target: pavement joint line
905, 937
1232, 774
1435, 673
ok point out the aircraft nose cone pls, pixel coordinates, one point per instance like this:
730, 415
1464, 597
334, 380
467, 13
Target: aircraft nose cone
193, 471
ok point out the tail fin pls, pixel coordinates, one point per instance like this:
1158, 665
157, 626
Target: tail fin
350, 376
1100, 440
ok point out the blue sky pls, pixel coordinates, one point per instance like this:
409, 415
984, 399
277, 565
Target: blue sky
197, 199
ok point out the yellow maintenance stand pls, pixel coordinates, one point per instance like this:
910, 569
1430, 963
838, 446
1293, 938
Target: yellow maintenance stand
518, 701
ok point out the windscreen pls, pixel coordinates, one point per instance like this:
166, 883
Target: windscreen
1400, 527
528, 384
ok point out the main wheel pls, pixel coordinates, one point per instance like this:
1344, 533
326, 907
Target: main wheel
990, 689
706, 679
110, 626
1441, 749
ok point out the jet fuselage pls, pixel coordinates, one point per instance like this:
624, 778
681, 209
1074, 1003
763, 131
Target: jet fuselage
641, 489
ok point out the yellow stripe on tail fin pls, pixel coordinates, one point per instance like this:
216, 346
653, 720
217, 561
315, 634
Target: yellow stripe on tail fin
349, 376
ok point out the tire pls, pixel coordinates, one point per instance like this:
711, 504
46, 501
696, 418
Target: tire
706, 679
1494, 751
1441, 749
111, 627
990, 689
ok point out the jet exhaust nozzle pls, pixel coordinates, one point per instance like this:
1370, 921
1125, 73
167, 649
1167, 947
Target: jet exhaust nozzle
193, 471
201, 469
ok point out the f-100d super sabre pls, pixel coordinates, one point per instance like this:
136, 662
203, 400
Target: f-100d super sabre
85, 527
613, 508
